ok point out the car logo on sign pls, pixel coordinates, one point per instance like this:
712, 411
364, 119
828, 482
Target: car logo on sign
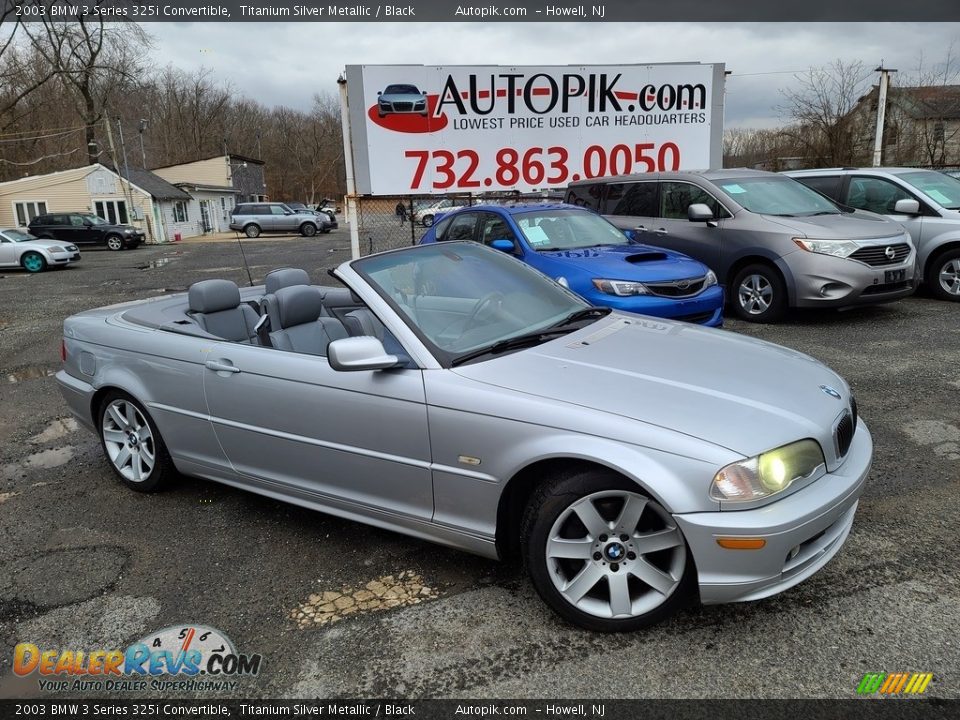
890, 252
830, 391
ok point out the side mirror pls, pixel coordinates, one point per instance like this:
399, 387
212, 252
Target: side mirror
906, 206
359, 353
288, 212
698, 212
379, 92
503, 245
631, 235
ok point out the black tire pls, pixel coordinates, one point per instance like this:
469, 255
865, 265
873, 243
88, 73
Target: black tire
308, 229
33, 262
114, 242
427, 220
162, 471
252, 231
946, 264
546, 507
769, 304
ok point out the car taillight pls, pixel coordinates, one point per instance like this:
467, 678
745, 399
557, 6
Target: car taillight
63, 350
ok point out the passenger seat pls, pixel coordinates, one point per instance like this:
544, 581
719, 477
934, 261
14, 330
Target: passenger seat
299, 324
363, 322
216, 306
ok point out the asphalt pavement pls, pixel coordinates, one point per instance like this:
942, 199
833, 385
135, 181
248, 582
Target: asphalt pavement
86, 564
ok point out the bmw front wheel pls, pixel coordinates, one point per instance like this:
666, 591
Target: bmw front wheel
603, 555
133, 445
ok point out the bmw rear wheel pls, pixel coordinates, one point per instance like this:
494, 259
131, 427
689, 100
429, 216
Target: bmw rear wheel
115, 242
33, 262
603, 555
759, 294
133, 445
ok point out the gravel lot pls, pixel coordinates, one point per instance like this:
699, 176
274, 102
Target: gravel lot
85, 564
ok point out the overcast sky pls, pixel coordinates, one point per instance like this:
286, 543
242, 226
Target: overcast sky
285, 63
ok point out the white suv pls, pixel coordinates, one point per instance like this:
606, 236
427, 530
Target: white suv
925, 202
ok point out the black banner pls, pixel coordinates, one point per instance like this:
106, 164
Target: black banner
870, 709
578, 11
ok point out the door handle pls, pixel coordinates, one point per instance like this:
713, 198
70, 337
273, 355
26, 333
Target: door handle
641, 228
222, 366
661, 231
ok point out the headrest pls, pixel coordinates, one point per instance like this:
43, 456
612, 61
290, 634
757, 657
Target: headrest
285, 277
298, 304
209, 296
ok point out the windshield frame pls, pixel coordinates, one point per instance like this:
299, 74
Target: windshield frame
904, 178
445, 358
719, 183
566, 212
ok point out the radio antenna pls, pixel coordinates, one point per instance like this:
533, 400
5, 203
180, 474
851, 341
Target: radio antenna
244, 256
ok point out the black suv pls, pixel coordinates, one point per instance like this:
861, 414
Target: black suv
85, 229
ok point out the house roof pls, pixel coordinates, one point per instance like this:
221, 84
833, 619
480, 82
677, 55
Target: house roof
155, 185
924, 102
201, 186
232, 156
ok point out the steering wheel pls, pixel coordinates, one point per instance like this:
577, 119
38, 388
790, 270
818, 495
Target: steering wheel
484, 303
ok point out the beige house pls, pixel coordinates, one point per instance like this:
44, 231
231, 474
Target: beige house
242, 176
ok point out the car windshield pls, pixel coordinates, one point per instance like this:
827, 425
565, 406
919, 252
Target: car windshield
567, 230
777, 196
461, 298
18, 236
401, 90
939, 187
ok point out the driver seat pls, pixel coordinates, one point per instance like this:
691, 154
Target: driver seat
300, 326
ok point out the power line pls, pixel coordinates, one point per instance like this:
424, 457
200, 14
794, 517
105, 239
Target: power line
12, 133
40, 159
40, 137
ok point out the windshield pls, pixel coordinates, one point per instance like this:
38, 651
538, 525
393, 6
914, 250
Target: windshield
401, 90
460, 297
567, 230
777, 196
940, 188
18, 236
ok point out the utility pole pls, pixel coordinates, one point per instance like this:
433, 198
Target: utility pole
881, 112
144, 124
126, 170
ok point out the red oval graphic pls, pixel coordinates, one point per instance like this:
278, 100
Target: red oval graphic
408, 122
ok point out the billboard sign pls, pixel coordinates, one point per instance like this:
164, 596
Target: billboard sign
429, 129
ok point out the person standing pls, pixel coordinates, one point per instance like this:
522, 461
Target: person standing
401, 211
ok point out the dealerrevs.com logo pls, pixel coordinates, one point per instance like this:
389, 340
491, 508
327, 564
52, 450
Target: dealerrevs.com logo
899, 683
176, 658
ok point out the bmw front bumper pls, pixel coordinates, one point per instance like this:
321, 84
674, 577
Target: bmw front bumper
803, 531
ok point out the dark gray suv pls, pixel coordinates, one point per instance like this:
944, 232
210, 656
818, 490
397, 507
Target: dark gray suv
255, 218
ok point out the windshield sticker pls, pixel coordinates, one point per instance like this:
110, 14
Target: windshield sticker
938, 196
733, 189
536, 235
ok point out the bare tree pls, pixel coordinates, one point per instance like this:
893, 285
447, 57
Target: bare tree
821, 108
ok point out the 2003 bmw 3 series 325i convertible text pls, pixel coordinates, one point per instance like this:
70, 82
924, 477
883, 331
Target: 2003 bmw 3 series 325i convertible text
634, 463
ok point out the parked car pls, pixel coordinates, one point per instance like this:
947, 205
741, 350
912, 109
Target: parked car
925, 202
403, 99
255, 218
636, 464
325, 221
83, 228
20, 249
426, 214
330, 208
590, 256
772, 241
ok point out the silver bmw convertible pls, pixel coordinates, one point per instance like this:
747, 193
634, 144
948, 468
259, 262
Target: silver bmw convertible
452, 393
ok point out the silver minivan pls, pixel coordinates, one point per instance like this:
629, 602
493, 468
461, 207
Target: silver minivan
925, 202
773, 242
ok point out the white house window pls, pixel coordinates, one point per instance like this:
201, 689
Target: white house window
27, 211
179, 211
114, 211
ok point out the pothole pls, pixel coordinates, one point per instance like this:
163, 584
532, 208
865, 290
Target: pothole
44, 459
30, 373
90, 570
378, 595
54, 431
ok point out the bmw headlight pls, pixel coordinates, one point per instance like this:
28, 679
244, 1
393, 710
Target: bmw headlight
710, 279
837, 248
622, 288
772, 472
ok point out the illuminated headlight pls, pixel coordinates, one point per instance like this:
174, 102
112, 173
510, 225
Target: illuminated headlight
772, 472
622, 288
837, 248
710, 279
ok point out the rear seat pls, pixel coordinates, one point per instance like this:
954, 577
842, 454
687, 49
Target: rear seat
215, 306
300, 326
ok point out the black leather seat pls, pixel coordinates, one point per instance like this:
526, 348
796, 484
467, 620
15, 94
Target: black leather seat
300, 326
216, 306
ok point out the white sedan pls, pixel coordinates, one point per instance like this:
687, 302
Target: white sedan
20, 249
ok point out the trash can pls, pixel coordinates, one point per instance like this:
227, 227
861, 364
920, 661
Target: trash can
177, 237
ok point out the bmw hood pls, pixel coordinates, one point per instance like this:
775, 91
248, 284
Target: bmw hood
846, 226
746, 395
642, 263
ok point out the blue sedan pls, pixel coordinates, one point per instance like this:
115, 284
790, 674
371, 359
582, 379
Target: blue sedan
593, 258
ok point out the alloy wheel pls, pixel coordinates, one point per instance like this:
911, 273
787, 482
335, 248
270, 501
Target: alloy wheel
755, 294
950, 277
114, 243
128, 440
615, 554
33, 262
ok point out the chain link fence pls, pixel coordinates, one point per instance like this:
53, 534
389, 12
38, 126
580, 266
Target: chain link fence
388, 222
